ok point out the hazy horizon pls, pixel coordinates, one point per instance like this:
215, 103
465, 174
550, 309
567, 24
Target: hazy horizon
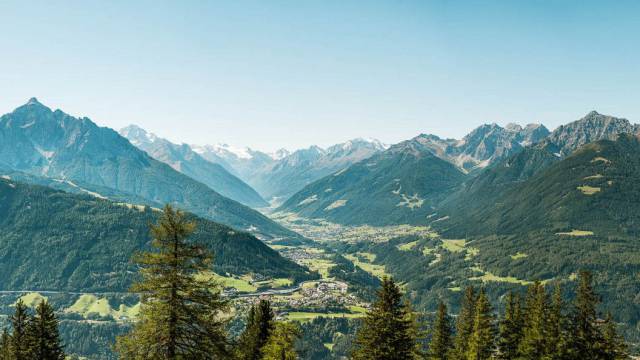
290, 74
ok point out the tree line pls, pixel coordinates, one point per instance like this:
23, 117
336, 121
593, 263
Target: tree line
33, 336
537, 326
184, 316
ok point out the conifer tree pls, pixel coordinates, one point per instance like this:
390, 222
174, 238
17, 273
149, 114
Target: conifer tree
181, 313
5, 343
585, 336
533, 345
441, 341
19, 347
260, 324
614, 347
464, 324
510, 328
481, 345
556, 341
388, 331
44, 337
281, 342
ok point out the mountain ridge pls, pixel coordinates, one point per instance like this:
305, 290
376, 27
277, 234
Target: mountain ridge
182, 158
38, 141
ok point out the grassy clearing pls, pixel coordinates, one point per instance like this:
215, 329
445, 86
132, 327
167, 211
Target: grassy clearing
489, 277
241, 284
459, 245
366, 265
275, 283
454, 245
308, 316
600, 159
455, 289
589, 190
408, 246
32, 299
322, 266
519, 255
89, 304
336, 204
575, 232
592, 177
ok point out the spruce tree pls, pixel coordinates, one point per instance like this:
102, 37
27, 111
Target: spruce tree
441, 340
44, 337
481, 345
464, 324
5, 345
260, 324
614, 347
533, 344
20, 342
181, 312
510, 328
556, 341
388, 331
585, 336
281, 342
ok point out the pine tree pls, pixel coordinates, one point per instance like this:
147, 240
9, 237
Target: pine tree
464, 324
481, 345
180, 316
19, 347
510, 328
5, 343
533, 345
441, 341
388, 331
281, 342
613, 347
585, 337
556, 341
44, 337
260, 324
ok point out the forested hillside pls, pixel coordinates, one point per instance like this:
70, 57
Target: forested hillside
51, 240
398, 186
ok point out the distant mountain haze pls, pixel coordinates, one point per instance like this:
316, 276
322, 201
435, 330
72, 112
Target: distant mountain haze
182, 158
279, 175
38, 141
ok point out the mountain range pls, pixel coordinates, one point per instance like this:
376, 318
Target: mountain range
404, 183
183, 159
52, 144
279, 175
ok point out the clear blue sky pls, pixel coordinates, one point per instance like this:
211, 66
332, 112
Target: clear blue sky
272, 74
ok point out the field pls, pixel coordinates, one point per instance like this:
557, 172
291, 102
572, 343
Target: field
364, 261
576, 233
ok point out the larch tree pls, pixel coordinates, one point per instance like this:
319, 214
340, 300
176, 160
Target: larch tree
182, 312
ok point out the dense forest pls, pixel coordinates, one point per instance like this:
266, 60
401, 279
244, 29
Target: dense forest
183, 317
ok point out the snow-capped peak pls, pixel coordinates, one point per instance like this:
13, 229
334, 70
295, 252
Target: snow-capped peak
138, 135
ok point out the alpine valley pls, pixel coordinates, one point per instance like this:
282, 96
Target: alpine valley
315, 230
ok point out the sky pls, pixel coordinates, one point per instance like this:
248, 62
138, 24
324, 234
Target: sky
288, 74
